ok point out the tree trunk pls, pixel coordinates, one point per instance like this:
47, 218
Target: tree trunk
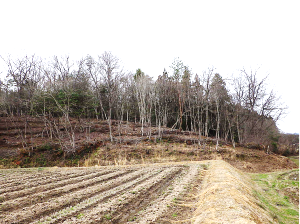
206, 120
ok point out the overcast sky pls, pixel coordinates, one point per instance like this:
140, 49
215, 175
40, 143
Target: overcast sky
228, 35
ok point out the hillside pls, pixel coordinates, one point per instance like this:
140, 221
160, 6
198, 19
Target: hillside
164, 176
25, 142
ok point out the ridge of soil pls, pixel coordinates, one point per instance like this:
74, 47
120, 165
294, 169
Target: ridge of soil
227, 197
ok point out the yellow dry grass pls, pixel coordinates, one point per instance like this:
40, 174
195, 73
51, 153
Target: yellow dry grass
226, 197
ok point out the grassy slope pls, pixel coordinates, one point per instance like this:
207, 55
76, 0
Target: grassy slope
279, 194
295, 159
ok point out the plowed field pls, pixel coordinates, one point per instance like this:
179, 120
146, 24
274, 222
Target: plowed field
192, 192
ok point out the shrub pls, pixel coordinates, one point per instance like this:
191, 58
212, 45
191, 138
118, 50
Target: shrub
46, 147
107, 217
286, 152
274, 147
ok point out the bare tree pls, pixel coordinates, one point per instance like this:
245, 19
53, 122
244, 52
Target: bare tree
198, 105
219, 95
162, 101
111, 73
60, 90
63, 90
92, 69
24, 74
143, 87
178, 69
254, 105
207, 77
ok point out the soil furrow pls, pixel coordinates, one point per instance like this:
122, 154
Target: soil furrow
16, 180
124, 198
142, 200
38, 210
22, 181
157, 207
44, 179
50, 185
86, 206
57, 192
39, 181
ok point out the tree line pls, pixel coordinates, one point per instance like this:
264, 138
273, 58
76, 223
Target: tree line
99, 88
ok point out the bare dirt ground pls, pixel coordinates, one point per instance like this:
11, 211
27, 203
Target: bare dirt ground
187, 192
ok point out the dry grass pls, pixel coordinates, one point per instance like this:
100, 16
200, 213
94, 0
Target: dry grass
226, 197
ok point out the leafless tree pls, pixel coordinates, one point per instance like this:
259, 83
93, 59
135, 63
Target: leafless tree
59, 89
143, 87
198, 105
207, 78
24, 74
255, 104
92, 69
219, 96
111, 74
178, 69
62, 90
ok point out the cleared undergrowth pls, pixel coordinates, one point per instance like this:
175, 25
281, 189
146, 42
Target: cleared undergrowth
187, 192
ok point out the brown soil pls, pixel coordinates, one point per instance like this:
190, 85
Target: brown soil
186, 192
31, 146
119, 195
185, 205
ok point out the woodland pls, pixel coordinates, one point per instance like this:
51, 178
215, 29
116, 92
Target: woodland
241, 110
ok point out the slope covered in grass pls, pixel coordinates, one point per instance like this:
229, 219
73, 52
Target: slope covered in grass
279, 193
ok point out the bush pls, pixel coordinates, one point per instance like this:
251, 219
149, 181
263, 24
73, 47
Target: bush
46, 147
286, 152
274, 147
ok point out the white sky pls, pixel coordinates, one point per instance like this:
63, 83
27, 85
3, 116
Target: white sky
228, 35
